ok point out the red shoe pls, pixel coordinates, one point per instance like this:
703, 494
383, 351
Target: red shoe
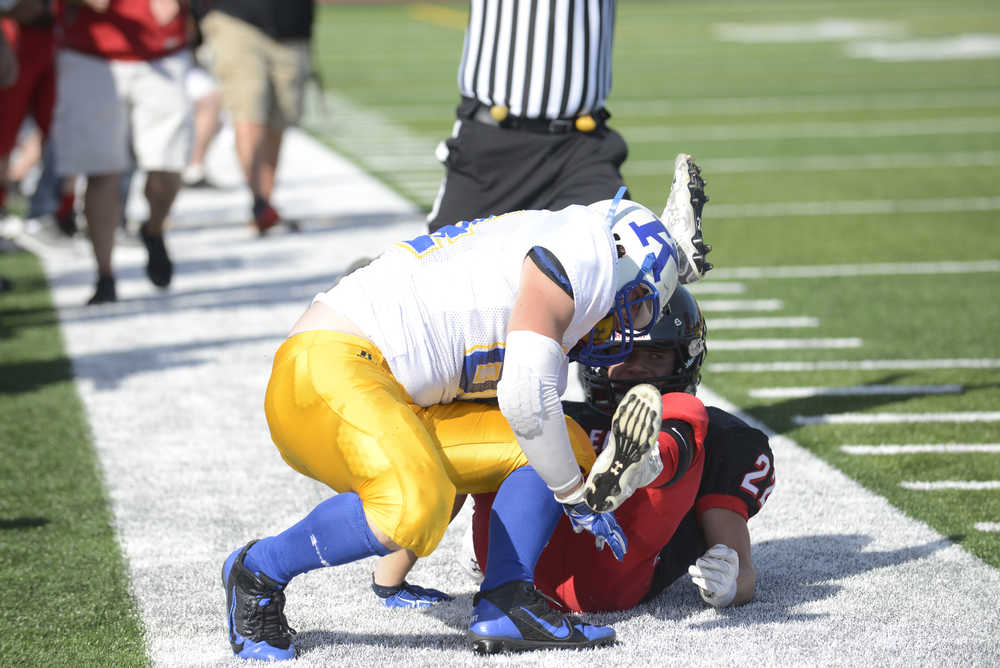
265, 217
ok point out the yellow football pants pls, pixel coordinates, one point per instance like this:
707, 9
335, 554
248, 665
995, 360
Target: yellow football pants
337, 414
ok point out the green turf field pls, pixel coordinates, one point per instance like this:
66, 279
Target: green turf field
813, 158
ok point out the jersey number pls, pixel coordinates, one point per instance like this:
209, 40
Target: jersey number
763, 464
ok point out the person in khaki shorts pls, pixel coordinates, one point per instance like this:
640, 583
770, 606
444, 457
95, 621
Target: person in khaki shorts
261, 57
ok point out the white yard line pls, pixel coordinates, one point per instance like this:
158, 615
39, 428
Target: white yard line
855, 207
948, 448
825, 163
938, 485
710, 305
988, 526
783, 344
871, 269
173, 384
853, 365
761, 323
710, 287
810, 129
891, 418
850, 391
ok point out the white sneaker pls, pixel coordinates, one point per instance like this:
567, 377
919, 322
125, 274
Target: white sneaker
682, 217
631, 457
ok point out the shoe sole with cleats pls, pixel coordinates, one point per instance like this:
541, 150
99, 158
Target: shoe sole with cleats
635, 428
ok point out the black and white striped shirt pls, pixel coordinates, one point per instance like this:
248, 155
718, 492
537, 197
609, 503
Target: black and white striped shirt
539, 58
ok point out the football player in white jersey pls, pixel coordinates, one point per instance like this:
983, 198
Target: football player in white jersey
370, 394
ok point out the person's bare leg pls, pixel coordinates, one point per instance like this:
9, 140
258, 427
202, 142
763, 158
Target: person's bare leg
206, 125
102, 207
268, 166
161, 190
249, 149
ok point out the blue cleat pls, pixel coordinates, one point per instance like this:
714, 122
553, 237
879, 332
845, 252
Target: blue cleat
516, 616
255, 616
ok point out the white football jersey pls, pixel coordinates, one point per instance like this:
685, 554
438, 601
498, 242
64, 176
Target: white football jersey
438, 305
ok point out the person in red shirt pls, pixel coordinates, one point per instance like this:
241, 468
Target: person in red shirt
28, 32
120, 93
694, 522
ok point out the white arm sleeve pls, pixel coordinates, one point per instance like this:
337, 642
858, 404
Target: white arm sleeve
534, 368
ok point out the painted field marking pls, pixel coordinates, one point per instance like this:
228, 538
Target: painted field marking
860, 365
809, 129
987, 526
874, 269
762, 323
950, 448
851, 390
821, 30
937, 485
784, 344
826, 163
855, 207
894, 418
740, 304
968, 46
717, 288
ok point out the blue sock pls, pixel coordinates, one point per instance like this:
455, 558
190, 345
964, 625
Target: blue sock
335, 532
523, 518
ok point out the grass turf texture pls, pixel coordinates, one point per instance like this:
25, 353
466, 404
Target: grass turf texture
65, 599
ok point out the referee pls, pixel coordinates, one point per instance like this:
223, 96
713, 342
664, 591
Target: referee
531, 129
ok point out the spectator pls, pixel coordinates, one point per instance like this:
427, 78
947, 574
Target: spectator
28, 31
203, 90
121, 70
261, 56
531, 130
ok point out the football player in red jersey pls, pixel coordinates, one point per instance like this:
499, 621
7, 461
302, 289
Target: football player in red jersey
695, 521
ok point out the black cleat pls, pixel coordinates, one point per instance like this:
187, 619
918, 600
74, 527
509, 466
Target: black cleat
255, 612
516, 617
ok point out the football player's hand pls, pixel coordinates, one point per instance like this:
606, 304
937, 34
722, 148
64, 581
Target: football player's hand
409, 595
715, 574
604, 526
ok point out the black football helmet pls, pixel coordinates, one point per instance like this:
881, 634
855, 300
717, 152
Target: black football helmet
680, 328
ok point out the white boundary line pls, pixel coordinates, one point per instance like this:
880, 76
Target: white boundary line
938, 485
852, 365
987, 526
890, 418
951, 448
851, 390
875, 269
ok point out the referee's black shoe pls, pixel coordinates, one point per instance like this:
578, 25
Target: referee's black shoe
516, 617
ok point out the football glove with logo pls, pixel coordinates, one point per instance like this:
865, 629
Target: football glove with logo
408, 595
604, 526
715, 573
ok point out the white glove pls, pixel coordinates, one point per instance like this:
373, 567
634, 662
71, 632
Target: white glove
715, 575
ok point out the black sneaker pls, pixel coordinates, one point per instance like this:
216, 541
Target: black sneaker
159, 268
516, 616
105, 291
255, 612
